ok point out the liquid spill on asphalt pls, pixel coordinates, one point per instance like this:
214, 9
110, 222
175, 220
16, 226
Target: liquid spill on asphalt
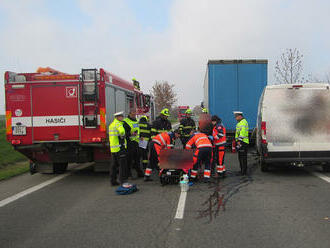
223, 189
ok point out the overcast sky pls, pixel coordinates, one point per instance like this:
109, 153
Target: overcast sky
160, 39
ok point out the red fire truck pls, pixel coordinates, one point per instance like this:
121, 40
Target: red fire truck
54, 118
182, 112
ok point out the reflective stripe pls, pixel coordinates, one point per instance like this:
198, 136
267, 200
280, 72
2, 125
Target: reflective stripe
147, 172
161, 137
156, 141
114, 135
114, 131
200, 139
143, 125
145, 161
188, 146
115, 146
207, 173
170, 145
193, 173
144, 131
220, 143
204, 145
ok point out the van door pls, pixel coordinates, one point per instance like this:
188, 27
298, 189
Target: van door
312, 124
55, 113
279, 112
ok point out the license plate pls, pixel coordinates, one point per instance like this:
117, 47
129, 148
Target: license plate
19, 130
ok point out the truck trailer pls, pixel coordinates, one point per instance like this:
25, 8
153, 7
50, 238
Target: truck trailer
54, 118
231, 85
182, 112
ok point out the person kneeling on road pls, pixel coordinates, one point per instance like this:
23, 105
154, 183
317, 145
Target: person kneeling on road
202, 154
161, 141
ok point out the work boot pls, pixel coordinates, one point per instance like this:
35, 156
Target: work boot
140, 174
114, 183
147, 179
206, 180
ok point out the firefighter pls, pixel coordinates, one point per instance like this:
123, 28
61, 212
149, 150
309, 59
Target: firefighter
161, 141
219, 140
145, 134
205, 111
118, 150
132, 129
242, 140
186, 126
203, 153
161, 124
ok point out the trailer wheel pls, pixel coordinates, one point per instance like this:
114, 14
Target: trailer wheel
60, 168
326, 167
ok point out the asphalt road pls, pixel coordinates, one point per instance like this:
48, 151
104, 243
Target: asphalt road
283, 208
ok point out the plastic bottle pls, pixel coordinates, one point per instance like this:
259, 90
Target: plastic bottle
184, 183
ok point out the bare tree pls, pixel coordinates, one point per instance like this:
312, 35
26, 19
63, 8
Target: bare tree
288, 69
174, 111
164, 95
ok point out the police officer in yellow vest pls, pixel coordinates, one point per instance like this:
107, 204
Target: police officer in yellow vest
118, 150
132, 129
242, 140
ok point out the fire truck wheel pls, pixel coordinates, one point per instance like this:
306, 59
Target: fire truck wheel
60, 168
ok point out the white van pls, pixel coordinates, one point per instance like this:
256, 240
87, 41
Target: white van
293, 125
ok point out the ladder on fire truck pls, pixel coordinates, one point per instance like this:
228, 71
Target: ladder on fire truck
89, 97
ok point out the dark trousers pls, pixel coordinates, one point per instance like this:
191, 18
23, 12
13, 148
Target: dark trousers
153, 156
184, 141
203, 155
144, 157
242, 157
133, 158
119, 165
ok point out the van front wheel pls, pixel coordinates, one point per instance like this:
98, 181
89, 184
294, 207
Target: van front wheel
326, 167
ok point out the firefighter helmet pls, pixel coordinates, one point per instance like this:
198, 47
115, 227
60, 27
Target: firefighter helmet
188, 111
165, 112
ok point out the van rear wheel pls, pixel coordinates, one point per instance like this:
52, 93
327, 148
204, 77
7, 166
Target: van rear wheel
326, 167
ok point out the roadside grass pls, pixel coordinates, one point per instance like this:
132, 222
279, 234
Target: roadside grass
13, 170
9, 158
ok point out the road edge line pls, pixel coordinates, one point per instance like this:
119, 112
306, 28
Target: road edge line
35, 188
323, 177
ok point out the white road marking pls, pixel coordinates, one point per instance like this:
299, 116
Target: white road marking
39, 186
320, 175
181, 205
